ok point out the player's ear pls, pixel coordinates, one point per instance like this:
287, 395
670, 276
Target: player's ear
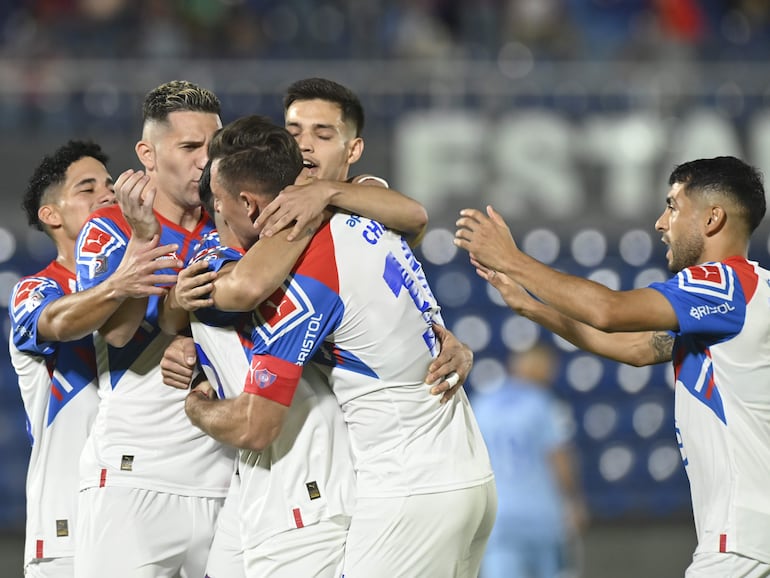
355, 150
49, 216
249, 204
145, 152
715, 220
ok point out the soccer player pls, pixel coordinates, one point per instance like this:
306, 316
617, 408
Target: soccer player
327, 120
51, 346
358, 299
152, 484
711, 319
321, 518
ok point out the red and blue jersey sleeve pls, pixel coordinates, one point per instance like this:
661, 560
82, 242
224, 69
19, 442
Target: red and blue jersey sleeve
710, 299
293, 322
29, 298
100, 246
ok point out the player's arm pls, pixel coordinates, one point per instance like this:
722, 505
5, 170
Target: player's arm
249, 421
192, 291
491, 246
122, 325
363, 195
636, 348
78, 314
135, 197
258, 273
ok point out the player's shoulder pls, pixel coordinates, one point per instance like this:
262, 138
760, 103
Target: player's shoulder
52, 275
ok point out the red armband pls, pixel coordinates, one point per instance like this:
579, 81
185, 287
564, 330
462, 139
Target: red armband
273, 378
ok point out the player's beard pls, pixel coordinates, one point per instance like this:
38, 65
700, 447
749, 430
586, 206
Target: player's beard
686, 252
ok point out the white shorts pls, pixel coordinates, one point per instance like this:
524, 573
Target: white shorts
133, 533
314, 550
726, 565
63, 567
226, 555
441, 535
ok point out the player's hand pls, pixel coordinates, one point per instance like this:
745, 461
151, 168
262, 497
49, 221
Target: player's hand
514, 295
201, 392
194, 286
450, 369
301, 204
137, 275
178, 363
135, 197
486, 237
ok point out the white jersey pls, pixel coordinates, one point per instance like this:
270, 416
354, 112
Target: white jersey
722, 367
306, 474
142, 437
358, 303
58, 388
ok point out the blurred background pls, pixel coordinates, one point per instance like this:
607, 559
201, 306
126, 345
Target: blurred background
566, 115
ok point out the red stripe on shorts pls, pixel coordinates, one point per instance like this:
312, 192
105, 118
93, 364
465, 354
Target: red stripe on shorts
39, 549
298, 518
103, 478
723, 542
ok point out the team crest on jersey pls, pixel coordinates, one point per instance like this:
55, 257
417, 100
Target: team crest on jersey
709, 279
260, 376
283, 310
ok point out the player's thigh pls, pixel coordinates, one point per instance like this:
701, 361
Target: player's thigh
316, 550
51, 568
135, 533
225, 559
441, 535
726, 565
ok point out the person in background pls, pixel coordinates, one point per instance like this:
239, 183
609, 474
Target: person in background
540, 503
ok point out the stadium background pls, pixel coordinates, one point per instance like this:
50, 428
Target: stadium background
567, 115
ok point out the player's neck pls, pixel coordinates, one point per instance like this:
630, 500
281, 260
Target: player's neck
65, 255
186, 217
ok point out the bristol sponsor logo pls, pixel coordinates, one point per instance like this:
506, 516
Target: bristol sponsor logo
260, 376
702, 311
284, 310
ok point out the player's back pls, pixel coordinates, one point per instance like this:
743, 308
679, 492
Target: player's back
377, 355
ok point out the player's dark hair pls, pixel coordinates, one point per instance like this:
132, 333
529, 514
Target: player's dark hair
254, 151
176, 96
727, 176
52, 171
204, 189
330, 91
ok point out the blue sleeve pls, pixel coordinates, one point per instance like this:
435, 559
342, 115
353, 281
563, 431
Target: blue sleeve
707, 299
217, 257
98, 252
293, 322
29, 298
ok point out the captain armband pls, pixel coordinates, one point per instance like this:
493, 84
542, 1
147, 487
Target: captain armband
272, 378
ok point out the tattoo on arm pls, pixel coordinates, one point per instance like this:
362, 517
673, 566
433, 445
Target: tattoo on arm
662, 346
